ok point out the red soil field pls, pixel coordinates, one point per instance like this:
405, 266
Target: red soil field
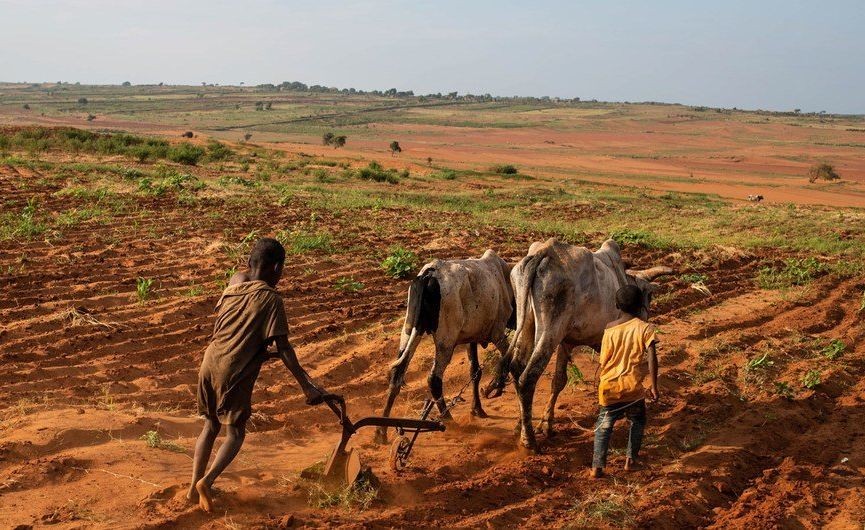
79, 393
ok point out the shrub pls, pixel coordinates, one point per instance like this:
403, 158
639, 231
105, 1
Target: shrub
694, 277
143, 288
78, 140
303, 242
794, 272
185, 153
227, 180
505, 169
217, 151
833, 350
155, 441
399, 263
759, 363
635, 237
375, 172
170, 181
784, 390
575, 375
25, 225
82, 101
445, 174
811, 379
822, 171
348, 284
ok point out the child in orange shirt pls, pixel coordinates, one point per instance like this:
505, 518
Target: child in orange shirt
627, 356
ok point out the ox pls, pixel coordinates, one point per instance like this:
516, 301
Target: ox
565, 296
460, 301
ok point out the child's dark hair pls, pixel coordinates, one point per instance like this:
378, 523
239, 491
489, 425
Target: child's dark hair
267, 252
630, 299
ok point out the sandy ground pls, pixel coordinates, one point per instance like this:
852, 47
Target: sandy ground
723, 450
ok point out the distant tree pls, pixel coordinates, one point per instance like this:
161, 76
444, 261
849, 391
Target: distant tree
161, 83
327, 138
26, 106
247, 136
822, 171
127, 83
395, 148
429, 161
82, 101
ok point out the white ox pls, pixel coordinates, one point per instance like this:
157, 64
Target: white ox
565, 296
459, 301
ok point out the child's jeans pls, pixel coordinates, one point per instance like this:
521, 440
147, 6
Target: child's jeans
635, 412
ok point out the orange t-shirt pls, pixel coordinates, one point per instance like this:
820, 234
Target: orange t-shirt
623, 361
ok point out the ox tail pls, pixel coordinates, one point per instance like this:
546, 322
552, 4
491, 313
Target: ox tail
530, 272
422, 316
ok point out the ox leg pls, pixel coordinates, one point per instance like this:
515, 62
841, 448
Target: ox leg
442, 359
477, 410
560, 378
397, 380
528, 382
397, 375
499, 378
516, 369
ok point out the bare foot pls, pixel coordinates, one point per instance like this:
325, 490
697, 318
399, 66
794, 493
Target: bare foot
192, 494
596, 473
632, 465
205, 501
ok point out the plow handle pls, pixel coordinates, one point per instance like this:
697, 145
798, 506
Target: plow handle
337, 405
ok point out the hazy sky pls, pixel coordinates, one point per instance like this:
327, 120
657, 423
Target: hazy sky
779, 55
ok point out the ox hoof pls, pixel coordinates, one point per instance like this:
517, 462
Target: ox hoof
531, 446
446, 416
491, 392
380, 437
479, 413
546, 427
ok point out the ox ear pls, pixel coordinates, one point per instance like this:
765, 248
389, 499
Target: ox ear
651, 274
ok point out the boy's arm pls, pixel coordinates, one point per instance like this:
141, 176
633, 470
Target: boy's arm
653, 372
289, 358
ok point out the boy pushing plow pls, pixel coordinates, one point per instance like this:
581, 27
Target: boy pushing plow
251, 316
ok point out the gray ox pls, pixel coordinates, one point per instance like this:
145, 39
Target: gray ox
565, 296
460, 301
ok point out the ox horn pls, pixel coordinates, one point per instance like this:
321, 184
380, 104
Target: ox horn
651, 274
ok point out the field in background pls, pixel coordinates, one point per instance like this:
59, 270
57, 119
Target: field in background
658, 147
113, 251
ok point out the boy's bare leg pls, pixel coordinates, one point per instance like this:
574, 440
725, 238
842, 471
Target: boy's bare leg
229, 449
203, 448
